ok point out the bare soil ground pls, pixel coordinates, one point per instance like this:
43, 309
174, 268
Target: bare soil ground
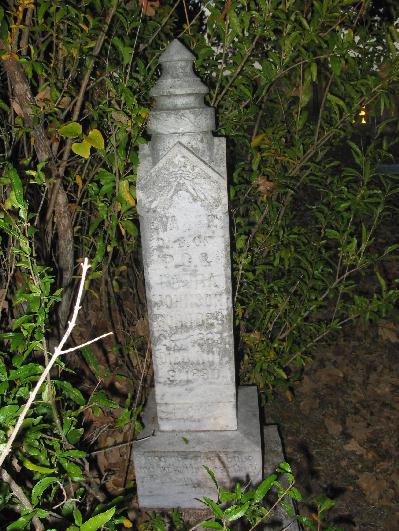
341, 432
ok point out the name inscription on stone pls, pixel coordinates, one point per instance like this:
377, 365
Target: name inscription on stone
193, 463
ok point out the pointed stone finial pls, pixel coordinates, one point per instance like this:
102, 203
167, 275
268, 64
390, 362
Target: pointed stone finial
178, 77
180, 114
176, 51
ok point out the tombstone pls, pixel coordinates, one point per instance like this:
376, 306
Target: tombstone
194, 416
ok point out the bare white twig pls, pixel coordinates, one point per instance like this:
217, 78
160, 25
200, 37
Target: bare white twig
57, 353
87, 343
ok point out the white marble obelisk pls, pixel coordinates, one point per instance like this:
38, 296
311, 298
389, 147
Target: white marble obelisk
183, 208
182, 201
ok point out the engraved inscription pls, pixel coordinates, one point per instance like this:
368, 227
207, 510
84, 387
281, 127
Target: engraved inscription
188, 284
226, 466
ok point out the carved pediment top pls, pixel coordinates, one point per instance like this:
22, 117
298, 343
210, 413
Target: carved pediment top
181, 170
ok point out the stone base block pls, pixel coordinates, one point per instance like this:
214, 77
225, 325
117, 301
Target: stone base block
169, 465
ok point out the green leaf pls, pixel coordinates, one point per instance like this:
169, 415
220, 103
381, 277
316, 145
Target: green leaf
226, 496
123, 419
82, 149
74, 435
8, 335
16, 185
72, 469
279, 372
97, 521
40, 487
210, 525
264, 487
382, 282
305, 93
90, 359
212, 476
23, 319
73, 453
288, 507
100, 398
95, 139
324, 503
130, 228
26, 371
3, 30
235, 512
125, 51
284, 467
335, 100
37, 468
70, 391
295, 494
43, 7
234, 22
330, 233
313, 70
217, 511
8, 413
70, 130
124, 192
335, 64
77, 516
22, 522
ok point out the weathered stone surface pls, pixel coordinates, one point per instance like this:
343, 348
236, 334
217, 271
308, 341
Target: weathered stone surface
169, 465
182, 202
191, 419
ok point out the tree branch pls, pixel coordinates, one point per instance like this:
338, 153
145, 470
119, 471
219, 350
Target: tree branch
23, 96
20, 495
237, 72
57, 353
77, 109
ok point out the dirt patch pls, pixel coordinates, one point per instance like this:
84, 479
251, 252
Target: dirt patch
341, 431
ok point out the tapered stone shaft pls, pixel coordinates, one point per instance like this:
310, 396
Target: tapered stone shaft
182, 203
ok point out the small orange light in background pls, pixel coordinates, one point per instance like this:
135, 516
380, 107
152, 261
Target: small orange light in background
362, 113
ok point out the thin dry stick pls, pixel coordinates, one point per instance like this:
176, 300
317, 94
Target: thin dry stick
78, 106
25, 33
20, 495
221, 69
273, 507
136, 402
163, 22
237, 72
120, 445
187, 18
326, 92
188, 27
57, 353
318, 338
249, 241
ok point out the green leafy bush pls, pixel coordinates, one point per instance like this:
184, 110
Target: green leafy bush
310, 209
312, 215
